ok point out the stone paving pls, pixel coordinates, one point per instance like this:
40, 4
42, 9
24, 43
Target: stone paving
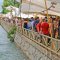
8, 50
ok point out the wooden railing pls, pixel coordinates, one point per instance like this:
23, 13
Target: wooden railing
40, 39
53, 43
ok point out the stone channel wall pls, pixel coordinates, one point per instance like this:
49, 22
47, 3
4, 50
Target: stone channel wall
31, 48
34, 50
6, 25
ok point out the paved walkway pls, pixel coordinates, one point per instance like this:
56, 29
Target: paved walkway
8, 50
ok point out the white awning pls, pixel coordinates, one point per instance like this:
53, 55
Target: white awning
39, 6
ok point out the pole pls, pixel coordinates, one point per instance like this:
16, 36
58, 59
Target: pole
14, 9
46, 9
20, 7
20, 13
11, 13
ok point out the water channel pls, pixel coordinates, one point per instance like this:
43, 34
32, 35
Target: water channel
8, 50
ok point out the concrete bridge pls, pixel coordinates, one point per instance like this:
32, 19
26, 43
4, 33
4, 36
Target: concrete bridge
30, 43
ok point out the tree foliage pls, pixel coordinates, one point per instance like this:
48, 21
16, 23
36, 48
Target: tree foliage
5, 11
11, 33
7, 3
11, 2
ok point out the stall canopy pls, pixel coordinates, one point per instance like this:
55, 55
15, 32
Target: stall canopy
15, 12
38, 6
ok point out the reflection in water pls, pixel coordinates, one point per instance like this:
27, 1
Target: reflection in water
8, 50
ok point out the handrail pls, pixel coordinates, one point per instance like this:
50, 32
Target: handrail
28, 33
54, 43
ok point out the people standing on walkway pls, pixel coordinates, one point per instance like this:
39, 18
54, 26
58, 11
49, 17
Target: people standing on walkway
59, 29
50, 27
38, 26
45, 27
56, 27
45, 31
30, 23
25, 23
16, 21
35, 23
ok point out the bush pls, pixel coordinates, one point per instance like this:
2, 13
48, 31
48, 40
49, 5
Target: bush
5, 11
11, 33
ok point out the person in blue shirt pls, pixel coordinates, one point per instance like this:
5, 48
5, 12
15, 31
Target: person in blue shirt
35, 23
25, 23
30, 23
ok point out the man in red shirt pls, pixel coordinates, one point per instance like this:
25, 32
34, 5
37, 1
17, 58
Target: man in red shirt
45, 27
45, 31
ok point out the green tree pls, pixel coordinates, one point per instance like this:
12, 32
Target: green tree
11, 2
5, 11
7, 3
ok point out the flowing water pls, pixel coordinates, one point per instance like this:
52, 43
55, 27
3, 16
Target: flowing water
8, 50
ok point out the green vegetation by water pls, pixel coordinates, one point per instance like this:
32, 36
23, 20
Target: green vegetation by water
11, 33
